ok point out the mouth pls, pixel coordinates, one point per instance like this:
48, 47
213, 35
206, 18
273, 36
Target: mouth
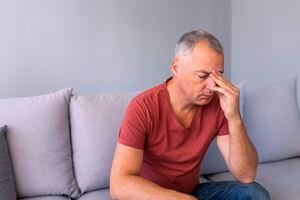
206, 96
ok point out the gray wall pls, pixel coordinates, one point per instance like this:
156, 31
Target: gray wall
265, 40
98, 46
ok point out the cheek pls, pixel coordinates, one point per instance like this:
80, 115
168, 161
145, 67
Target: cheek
202, 86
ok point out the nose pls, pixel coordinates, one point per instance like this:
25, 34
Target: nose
210, 83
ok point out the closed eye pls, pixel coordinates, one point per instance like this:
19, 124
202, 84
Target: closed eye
203, 77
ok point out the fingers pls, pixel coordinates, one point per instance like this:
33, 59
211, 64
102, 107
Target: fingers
220, 90
218, 78
221, 82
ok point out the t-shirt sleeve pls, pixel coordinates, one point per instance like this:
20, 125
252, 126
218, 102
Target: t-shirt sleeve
134, 127
223, 130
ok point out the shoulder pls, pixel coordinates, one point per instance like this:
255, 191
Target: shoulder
150, 97
143, 108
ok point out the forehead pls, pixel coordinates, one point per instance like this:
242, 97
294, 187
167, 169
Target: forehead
202, 57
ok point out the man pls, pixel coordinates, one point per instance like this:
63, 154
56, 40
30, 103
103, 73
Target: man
167, 130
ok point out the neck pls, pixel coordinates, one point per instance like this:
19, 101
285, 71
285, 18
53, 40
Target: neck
178, 100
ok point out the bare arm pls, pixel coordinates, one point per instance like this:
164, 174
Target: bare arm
236, 148
126, 184
238, 152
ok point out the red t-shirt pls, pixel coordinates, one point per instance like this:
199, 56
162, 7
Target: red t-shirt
172, 153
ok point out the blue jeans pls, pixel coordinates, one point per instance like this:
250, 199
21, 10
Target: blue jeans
230, 190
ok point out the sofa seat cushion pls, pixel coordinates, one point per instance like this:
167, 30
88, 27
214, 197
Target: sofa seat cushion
102, 194
202, 179
39, 144
47, 198
280, 178
95, 123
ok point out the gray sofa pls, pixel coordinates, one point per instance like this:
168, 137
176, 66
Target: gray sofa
61, 144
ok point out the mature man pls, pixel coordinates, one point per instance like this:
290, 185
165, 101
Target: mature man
168, 128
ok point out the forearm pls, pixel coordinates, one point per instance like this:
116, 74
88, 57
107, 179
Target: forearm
243, 157
133, 187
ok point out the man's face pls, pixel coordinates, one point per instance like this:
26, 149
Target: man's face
192, 73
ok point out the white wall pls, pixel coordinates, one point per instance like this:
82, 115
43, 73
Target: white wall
98, 46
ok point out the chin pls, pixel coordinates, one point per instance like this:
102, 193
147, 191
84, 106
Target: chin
203, 101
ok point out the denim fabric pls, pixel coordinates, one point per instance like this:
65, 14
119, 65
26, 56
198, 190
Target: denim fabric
230, 190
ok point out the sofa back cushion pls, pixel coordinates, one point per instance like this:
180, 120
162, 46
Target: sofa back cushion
7, 183
39, 143
95, 122
272, 120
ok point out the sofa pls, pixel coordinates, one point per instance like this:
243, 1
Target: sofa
60, 145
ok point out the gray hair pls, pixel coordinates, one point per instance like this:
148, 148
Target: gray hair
189, 40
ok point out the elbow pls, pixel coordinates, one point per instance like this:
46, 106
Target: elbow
118, 186
245, 174
247, 177
113, 194
113, 189
247, 180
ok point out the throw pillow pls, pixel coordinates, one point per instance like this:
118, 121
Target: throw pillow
7, 183
95, 121
39, 140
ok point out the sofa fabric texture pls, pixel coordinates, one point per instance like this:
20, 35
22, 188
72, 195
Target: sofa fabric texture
272, 120
54, 197
7, 183
39, 142
95, 122
280, 178
104, 194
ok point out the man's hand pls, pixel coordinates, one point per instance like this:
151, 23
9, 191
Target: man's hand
237, 149
228, 95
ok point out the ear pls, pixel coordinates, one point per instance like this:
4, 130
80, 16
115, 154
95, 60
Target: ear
175, 66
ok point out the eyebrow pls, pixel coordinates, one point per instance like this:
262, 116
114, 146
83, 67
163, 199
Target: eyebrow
206, 72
